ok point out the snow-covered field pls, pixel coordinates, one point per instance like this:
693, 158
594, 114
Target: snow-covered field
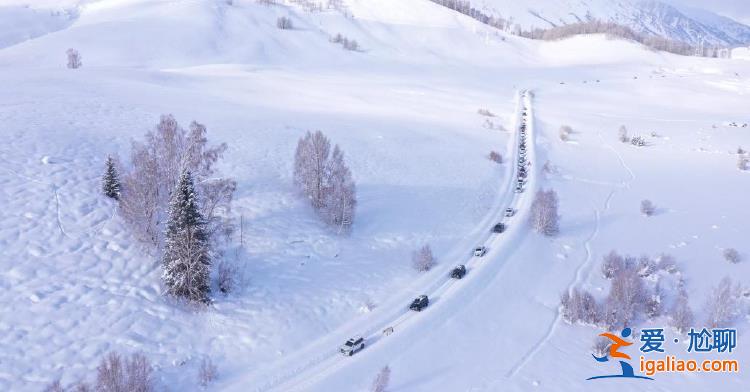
75, 284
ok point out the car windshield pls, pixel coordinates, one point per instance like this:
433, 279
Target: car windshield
350, 343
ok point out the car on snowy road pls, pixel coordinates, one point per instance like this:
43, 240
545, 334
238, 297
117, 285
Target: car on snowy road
480, 251
509, 212
498, 228
458, 272
352, 346
419, 303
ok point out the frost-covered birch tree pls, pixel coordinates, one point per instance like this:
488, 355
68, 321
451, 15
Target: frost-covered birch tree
157, 163
381, 381
340, 193
544, 217
326, 180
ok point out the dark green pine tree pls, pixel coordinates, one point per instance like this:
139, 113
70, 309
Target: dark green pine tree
186, 260
111, 181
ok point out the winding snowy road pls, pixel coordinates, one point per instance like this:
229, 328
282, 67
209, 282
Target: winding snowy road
313, 363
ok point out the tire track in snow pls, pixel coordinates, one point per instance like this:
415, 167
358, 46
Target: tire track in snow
586, 264
556, 321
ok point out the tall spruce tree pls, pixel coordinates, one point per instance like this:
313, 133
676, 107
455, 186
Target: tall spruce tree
111, 181
186, 260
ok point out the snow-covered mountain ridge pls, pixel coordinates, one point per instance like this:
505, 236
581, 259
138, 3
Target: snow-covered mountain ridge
675, 22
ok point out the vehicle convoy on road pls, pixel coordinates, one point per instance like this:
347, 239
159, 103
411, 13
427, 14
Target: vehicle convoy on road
419, 303
357, 343
352, 345
458, 272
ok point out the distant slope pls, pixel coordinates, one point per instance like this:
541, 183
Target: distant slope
646, 16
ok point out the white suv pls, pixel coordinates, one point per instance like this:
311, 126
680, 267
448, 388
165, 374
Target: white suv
352, 346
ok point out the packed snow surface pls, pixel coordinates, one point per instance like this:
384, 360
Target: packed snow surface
404, 108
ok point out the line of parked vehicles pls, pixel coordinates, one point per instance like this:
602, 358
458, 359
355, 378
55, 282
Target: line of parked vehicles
357, 343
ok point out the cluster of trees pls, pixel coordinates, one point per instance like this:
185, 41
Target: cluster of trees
544, 217
636, 294
638, 141
325, 179
465, 7
284, 23
346, 43
115, 374
617, 30
174, 200
743, 162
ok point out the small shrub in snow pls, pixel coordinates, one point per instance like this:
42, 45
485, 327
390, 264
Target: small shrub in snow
54, 386
284, 23
227, 276
380, 384
579, 305
565, 132
722, 305
653, 306
681, 317
638, 141
647, 207
207, 372
111, 180
485, 112
646, 267
613, 262
422, 259
740, 151
626, 297
496, 157
601, 346
117, 375
743, 163
667, 263
350, 44
74, 59
81, 387
731, 255
544, 217
622, 135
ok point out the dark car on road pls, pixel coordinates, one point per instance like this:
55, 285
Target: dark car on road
458, 272
419, 303
498, 228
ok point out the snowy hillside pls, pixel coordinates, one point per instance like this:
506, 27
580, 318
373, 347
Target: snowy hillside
417, 107
685, 24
